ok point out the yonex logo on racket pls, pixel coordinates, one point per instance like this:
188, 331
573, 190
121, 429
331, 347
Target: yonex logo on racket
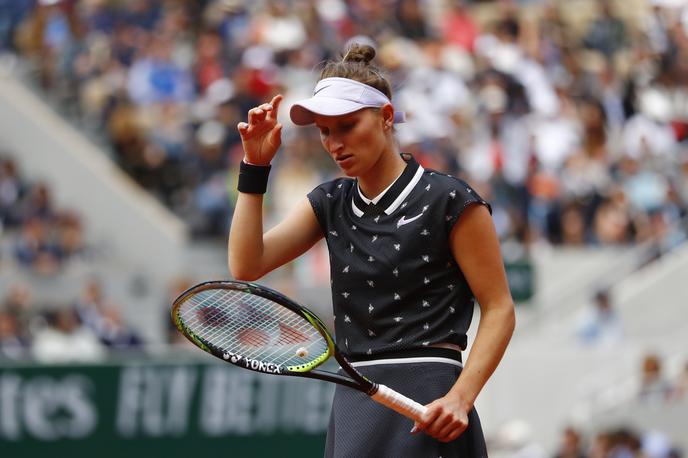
231, 357
270, 368
248, 363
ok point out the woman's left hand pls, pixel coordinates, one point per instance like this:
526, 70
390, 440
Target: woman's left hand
445, 420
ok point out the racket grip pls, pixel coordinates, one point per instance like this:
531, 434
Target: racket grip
399, 403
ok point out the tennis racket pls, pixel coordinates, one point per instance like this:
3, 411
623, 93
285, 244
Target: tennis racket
257, 328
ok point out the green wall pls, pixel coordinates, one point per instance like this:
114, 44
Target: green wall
151, 409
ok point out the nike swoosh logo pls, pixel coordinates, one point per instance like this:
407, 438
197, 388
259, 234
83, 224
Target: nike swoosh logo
321, 88
403, 219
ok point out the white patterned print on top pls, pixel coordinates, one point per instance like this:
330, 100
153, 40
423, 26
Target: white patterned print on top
425, 302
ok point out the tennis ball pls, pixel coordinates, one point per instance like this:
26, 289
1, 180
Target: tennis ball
302, 352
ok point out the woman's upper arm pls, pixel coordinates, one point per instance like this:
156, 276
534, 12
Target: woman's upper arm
475, 246
292, 237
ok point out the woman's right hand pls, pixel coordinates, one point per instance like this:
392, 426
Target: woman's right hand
261, 137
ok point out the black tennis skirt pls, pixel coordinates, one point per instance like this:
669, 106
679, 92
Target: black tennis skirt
360, 427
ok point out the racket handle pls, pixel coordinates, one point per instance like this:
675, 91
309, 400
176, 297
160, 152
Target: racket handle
398, 402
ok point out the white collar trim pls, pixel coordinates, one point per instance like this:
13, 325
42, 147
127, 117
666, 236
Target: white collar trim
407, 190
377, 198
397, 202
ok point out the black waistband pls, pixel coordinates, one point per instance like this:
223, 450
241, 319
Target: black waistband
425, 352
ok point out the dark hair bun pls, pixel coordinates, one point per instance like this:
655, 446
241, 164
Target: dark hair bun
359, 53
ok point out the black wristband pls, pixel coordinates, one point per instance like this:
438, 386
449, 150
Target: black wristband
253, 179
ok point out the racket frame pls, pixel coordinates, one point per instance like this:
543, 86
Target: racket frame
355, 380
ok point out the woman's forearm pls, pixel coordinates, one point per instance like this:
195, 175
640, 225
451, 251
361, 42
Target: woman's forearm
245, 248
497, 322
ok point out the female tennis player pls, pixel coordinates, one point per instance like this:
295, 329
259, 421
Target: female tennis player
411, 250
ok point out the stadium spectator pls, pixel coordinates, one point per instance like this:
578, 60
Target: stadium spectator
655, 444
12, 189
46, 237
12, 345
624, 442
654, 387
36, 249
18, 303
65, 340
459, 27
601, 445
607, 33
51, 33
571, 444
599, 324
410, 20
116, 334
12, 13
38, 204
104, 319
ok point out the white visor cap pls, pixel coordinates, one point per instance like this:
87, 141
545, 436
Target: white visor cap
339, 96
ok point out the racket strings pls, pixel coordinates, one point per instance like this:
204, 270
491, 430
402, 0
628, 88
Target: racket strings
252, 326
253, 337
241, 316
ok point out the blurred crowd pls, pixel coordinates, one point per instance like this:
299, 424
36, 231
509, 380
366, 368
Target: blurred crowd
513, 441
88, 329
570, 119
37, 235
42, 239
615, 442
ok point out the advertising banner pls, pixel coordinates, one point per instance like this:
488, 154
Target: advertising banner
147, 409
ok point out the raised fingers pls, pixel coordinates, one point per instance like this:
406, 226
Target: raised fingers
274, 106
257, 115
261, 119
